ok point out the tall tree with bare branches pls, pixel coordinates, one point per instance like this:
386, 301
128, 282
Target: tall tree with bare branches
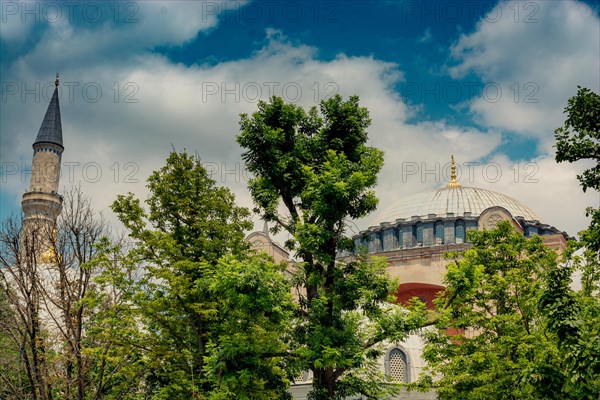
52, 298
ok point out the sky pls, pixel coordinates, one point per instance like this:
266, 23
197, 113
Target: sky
486, 82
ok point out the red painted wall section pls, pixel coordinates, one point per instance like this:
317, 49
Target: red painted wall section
424, 291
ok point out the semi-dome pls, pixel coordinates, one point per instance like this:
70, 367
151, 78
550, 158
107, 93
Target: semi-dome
456, 200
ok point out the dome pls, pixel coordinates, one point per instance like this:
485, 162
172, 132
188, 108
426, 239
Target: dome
457, 200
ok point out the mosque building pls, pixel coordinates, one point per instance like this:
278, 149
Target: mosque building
415, 232
413, 235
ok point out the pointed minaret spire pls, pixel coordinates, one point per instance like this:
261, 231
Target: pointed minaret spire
453, 182
42, 201
51, 129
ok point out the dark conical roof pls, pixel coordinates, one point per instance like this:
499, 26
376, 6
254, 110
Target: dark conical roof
51, 129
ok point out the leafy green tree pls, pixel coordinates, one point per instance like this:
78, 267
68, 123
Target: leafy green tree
313, 171
114, 342
213, 312
247, 359
51, 332
12, 375
490, 341
579, 138
574, 315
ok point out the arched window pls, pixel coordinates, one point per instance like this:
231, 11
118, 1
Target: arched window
374, 242
459, 231
400, 237
438, 229
418, 233
390, 241
397, 366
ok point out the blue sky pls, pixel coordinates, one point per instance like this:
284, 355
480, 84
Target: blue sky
485, 81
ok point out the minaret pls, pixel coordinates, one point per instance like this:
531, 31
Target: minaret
41, 202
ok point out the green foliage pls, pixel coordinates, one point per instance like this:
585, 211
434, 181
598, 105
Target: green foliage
13, 381
247, 359
67, 331
215, 317
579, 138
312, 172
574, 315
192, 218
319, 167
499, 346
114, 341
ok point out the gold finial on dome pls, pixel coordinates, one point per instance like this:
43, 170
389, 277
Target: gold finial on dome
56, 81
453, 182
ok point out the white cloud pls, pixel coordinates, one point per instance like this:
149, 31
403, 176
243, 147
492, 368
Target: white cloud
536, 53
121, 32
197, 107
426, 36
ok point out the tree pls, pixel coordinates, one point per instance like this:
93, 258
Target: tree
20, 282
114, 342
490, 341
579, 138
11, 371
574, 315
216, 316
312, 173
247, 354
47, 273
67, 282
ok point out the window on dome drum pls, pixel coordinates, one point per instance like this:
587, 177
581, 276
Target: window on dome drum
358, 244
400, 235
397, 366
459, 231
439, 232
418, 233
374, 242
389, 239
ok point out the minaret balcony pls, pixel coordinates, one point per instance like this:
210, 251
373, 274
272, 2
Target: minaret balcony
41, 204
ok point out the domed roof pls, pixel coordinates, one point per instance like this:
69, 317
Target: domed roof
457, 200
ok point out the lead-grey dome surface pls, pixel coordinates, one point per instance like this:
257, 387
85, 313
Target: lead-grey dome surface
457, 200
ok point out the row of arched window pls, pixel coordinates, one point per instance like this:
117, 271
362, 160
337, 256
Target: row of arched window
439, 232
397, 238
